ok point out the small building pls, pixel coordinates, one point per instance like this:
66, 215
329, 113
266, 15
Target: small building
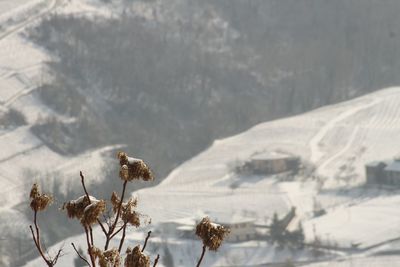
271, 163
375, 172
241, 229
392, 173
383, 172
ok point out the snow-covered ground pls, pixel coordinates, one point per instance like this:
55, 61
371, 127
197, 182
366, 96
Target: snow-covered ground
23, 157
351, 133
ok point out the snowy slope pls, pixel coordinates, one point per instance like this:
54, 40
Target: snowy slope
23, 157
361, 129
351, 133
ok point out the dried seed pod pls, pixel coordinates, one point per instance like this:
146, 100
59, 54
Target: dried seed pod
75, 208
133, 168
211, 234
39, 201
115, 200
109, 258
92, 212
135, 258
129, 215
84, 209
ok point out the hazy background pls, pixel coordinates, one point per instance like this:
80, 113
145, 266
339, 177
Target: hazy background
167, 78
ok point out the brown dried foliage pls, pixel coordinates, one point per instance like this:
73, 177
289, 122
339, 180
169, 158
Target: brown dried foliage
133, 169
128, 213
85, 210
109, 258
39, 201
92, 212
135, 258
211, 234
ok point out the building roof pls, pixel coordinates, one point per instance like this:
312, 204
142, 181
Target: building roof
394, 166
271, 155
229, 219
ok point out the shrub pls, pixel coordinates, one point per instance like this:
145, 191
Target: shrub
12, 118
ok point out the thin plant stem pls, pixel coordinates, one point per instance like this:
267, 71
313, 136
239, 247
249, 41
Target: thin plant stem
79, 254
202, 256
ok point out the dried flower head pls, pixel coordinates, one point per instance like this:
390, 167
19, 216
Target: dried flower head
115, 200
129, 215
75, 208
92, 212
133, 168
211, 234
109, 258
39, 201
135, 258
84, 209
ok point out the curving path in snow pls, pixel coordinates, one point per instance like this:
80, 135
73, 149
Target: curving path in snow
317, 154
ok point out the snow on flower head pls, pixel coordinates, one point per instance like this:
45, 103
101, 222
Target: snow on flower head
85, 209
133, 168
211, 234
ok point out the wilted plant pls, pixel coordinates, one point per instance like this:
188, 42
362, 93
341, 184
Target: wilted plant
91, 211
39, 202
211, 234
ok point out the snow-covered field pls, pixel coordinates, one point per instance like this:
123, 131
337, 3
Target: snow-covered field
23, 157
350, 133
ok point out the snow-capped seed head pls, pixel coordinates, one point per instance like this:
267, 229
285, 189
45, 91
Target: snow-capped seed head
75, 208
211, 234
133, 168
39, 201
92, 212
85, 209
135, 258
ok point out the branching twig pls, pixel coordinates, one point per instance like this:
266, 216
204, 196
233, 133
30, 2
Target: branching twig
121, 243
90, 252
88, 197
119, 230
112, 228
88, 231
202, 255
156, 261
79, 254
145, 242
57, 256
36, 239
37, 244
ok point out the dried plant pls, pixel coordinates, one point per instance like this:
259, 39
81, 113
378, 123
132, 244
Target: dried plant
40, 202
211, 234
91, 212
133, 168
136, 258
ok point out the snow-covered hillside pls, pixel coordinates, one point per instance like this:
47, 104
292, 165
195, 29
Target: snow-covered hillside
23, 157
349, 134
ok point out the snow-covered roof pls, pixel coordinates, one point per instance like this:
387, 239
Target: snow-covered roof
271, 155
229, 219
